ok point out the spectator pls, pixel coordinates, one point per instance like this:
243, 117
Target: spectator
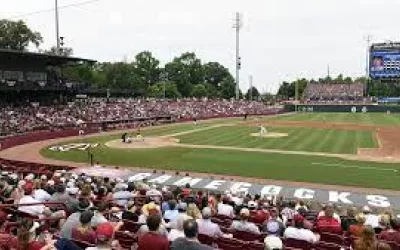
327, 222
367, 241
289, 211
357, 229
370, 219
74, 219
244, 224
39, 210
177, 232
98, 217
40, 194
152, 240
121, 195
27, 235
298, 232
193, 211
190, 241
170, 210
104, 235
6, 239
206, 226
161, 230
274, 221
393, 233
260, 215
84, 232
272, 241
60, 195
349, 219
225, 208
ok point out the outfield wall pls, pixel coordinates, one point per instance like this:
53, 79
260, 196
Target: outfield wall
342, 108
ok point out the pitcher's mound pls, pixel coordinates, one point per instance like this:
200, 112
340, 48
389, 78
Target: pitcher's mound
148, 142
269, 135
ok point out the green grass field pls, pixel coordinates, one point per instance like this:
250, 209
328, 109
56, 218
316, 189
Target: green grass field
367, 118
280, 166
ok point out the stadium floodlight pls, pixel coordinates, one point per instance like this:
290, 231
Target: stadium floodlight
237, 26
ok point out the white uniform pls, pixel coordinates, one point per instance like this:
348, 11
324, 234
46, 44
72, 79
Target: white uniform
263, 131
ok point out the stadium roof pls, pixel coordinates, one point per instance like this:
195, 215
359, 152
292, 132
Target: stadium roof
52, 59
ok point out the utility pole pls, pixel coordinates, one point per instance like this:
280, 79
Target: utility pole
238, 25
368, 40
57, 28
329, 71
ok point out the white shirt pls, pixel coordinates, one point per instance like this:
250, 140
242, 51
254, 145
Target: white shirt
300, 234
371, 220
175, 234
123, 197
41, 195
226, 210
273, 242
32, 210
245, 226
207, 227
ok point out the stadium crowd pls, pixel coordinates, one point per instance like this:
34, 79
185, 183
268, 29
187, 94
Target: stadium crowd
328, 92
27, 118
62, 210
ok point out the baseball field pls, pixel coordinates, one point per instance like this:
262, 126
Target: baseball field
345, 149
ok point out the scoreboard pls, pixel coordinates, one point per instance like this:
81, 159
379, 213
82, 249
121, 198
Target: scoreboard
385, 61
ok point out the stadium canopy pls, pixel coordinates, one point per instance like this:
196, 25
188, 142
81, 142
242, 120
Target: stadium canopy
6, 54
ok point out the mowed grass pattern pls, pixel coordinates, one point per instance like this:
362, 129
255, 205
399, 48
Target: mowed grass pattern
298, 139
305, 168
360, 118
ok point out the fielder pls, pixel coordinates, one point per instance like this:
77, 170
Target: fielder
263, 131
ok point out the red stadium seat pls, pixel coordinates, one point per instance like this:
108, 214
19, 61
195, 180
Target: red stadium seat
205, 239
327, 246
247, 236
332, 238
302, 244
230, 244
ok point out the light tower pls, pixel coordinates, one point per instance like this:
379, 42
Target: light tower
238, 25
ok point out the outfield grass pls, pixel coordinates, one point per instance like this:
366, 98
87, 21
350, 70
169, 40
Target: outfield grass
298, 139
367, 118
306, 168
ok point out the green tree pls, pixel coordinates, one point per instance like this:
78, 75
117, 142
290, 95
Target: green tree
199, 90
185, 71
64, 51
119, 75
215, 73
145, 70
16, 35
157, 90
252, 93
227, 88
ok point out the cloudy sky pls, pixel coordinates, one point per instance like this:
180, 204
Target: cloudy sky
280, 40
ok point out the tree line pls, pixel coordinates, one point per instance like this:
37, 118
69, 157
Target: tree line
185, 76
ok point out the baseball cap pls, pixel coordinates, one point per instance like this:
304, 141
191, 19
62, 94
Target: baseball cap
252, 204
104, 231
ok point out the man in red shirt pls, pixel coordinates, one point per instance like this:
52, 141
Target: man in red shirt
327, 223
260, 215
152, 240
392, 234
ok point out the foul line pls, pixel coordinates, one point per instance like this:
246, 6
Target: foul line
354, 166
196, 130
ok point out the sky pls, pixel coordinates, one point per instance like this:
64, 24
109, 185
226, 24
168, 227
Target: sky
281, 40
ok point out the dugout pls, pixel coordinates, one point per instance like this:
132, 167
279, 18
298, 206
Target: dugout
36, 77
